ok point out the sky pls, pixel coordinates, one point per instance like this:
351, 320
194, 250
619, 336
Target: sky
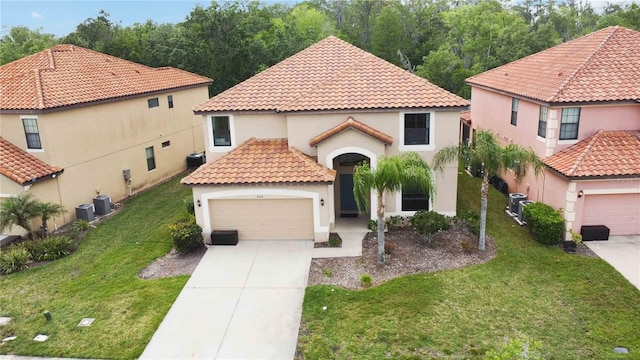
60, 17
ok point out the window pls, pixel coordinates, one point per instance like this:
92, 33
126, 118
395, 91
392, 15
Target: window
170, 101
569, 123
166, 144
151, 159
414, 200
514, 111
153, 103
32, 133
221, 131
542, 121
416, 129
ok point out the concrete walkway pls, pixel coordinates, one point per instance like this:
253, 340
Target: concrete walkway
242, 302
623, 253
352, 231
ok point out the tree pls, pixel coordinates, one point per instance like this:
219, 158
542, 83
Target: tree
408, 170
495, 159
18, 210
21, 41
46, 211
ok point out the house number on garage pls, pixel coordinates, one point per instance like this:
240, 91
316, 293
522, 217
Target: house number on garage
260, 196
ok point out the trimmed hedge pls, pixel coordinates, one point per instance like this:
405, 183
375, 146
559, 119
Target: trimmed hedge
545, 223
187, 235
429, 222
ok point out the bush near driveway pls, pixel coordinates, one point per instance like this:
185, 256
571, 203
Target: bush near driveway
576, 307
545, 223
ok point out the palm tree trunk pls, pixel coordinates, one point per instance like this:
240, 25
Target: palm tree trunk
484, 192
380, 228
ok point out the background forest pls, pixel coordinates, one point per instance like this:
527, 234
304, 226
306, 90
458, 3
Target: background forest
444, 41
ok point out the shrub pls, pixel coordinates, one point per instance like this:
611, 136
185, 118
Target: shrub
81, 225
429, 222
372, 225
14, 259
389, 248
366, 280
335, 240
187, 235
519, 348
327, 272
545, 223
471, 220
394, 222
50, 248
188, 204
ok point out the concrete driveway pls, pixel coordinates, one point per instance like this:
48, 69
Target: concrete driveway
242, 302
623, 253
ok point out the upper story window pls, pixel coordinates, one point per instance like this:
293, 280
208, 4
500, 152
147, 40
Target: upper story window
32, 133
570, 123
221, 127
151, 159
153, 103
542, 121
414, 200
514, 111
170, 101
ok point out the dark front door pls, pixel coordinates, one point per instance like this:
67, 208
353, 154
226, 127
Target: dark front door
348, 205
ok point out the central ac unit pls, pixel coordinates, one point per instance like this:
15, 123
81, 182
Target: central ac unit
514, 198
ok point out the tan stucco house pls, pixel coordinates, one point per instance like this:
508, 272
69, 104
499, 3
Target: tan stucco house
578, 106
281, 146
73, 121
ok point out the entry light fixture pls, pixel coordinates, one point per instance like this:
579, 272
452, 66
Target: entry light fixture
321, 202
199, 203
580, 193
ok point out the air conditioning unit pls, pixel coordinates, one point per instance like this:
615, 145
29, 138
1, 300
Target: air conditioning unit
514, 199
102, 203
85, 212
521, 206
195, 160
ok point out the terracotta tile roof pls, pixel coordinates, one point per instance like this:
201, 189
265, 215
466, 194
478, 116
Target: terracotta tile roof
351, 124
606, 153
466, 116
260, 161
68, 75
22, 167
601, 66
331, 75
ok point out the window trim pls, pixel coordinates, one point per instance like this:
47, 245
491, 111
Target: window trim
514, 111
577, 124
24, 129
546, 120
156, 102
152, 158
220, 148
400, 212
432, 130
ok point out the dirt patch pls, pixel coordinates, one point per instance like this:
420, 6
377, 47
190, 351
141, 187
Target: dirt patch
409, 254
173, 264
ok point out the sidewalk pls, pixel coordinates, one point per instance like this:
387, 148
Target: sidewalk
352, 231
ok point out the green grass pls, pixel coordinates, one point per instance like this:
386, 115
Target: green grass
100, 281
578, 307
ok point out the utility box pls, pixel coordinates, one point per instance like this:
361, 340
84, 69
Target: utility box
102, 204
85, 212
224, 237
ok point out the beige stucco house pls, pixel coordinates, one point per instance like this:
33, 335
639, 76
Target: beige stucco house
578, 106
72, 120
282, 145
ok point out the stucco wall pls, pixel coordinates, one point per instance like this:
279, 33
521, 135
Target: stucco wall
93, 144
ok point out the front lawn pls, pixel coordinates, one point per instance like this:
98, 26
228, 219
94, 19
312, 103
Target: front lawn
578, 307
100, 281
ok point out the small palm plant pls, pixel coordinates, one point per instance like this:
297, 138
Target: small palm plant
18, 210
47, 211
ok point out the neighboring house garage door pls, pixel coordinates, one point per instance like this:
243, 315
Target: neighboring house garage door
264, 219
620, 213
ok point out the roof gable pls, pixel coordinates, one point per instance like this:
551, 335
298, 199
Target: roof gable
606, 153
331, 75
351, 123
69, 75
22, 167
601, 66
261, 161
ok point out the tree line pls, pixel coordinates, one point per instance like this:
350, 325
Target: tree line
444, 41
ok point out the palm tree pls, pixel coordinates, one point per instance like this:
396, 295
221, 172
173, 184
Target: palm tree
495, 159
18, 210
407, 170
46, 211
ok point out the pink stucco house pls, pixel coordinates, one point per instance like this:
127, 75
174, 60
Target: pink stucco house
578, 106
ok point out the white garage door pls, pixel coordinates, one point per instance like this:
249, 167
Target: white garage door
264, 219
620, 212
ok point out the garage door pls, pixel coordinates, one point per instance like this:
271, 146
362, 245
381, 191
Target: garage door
264, 219
620, 213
